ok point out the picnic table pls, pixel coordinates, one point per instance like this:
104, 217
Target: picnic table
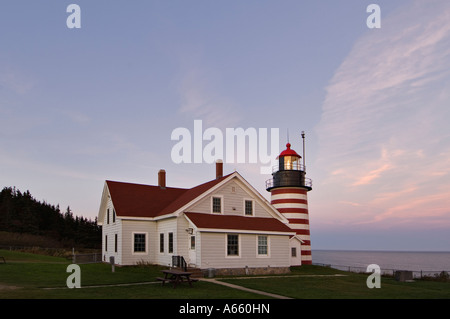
176, 277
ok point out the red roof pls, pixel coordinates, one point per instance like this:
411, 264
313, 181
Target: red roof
137, 200
289, 152
216, 221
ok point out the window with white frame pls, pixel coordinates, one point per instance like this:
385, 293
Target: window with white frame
170, 248
248, 207
293, 252
232, 245
161, 243
217, 205
192, 242
263, 247
139, 243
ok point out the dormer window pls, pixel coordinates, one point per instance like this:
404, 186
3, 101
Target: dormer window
248, 207
217, 205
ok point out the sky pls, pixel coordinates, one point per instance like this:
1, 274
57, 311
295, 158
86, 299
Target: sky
79, 106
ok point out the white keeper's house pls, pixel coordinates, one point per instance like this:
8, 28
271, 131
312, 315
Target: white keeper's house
224, 224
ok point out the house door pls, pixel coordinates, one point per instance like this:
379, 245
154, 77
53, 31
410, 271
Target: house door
192, 251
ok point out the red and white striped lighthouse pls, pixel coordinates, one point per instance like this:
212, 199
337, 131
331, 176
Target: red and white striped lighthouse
288, 189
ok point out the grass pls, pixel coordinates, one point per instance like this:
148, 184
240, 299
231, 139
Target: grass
346, 286
25, 276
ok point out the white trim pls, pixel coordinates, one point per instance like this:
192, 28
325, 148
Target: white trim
136, 218
253, 207
268, 246
242, 231
103, 204
194, 227
146, 243
262, 200
296, 237
163, 242
239, 179
198, 198
173, 243
226, 247
221, 204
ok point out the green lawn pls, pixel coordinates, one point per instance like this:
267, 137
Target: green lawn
348, 286
27, 276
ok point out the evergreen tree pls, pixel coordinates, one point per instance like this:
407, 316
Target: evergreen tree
20, 212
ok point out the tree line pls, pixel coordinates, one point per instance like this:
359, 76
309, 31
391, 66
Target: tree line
21, 213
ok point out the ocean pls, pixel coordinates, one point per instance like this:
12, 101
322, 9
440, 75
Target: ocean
428, 263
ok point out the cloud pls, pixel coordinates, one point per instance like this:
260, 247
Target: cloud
202, 101
383, 135
16, 81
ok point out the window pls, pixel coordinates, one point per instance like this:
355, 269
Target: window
170, 243
114, 215
106, 243
139, 243
107, 216
115, 243
217, 205
232, 245
248, 207
192, 242
293, 252
161, 243
262, 245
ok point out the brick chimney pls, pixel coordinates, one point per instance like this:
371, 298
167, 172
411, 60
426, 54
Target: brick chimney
162, 178
219, 169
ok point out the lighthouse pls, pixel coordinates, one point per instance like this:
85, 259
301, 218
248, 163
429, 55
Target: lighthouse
288, 188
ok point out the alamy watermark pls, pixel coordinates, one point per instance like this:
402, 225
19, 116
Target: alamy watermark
235, 145
374, 280
73, 280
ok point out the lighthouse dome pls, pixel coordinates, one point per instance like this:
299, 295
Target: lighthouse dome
288, 152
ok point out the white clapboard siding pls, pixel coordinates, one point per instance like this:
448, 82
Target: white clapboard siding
165, 227
233, 196
183, 237
214, 251
109, 230
129, 228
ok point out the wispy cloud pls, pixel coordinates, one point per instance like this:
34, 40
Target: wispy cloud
16, 81
383, 134
202, 99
